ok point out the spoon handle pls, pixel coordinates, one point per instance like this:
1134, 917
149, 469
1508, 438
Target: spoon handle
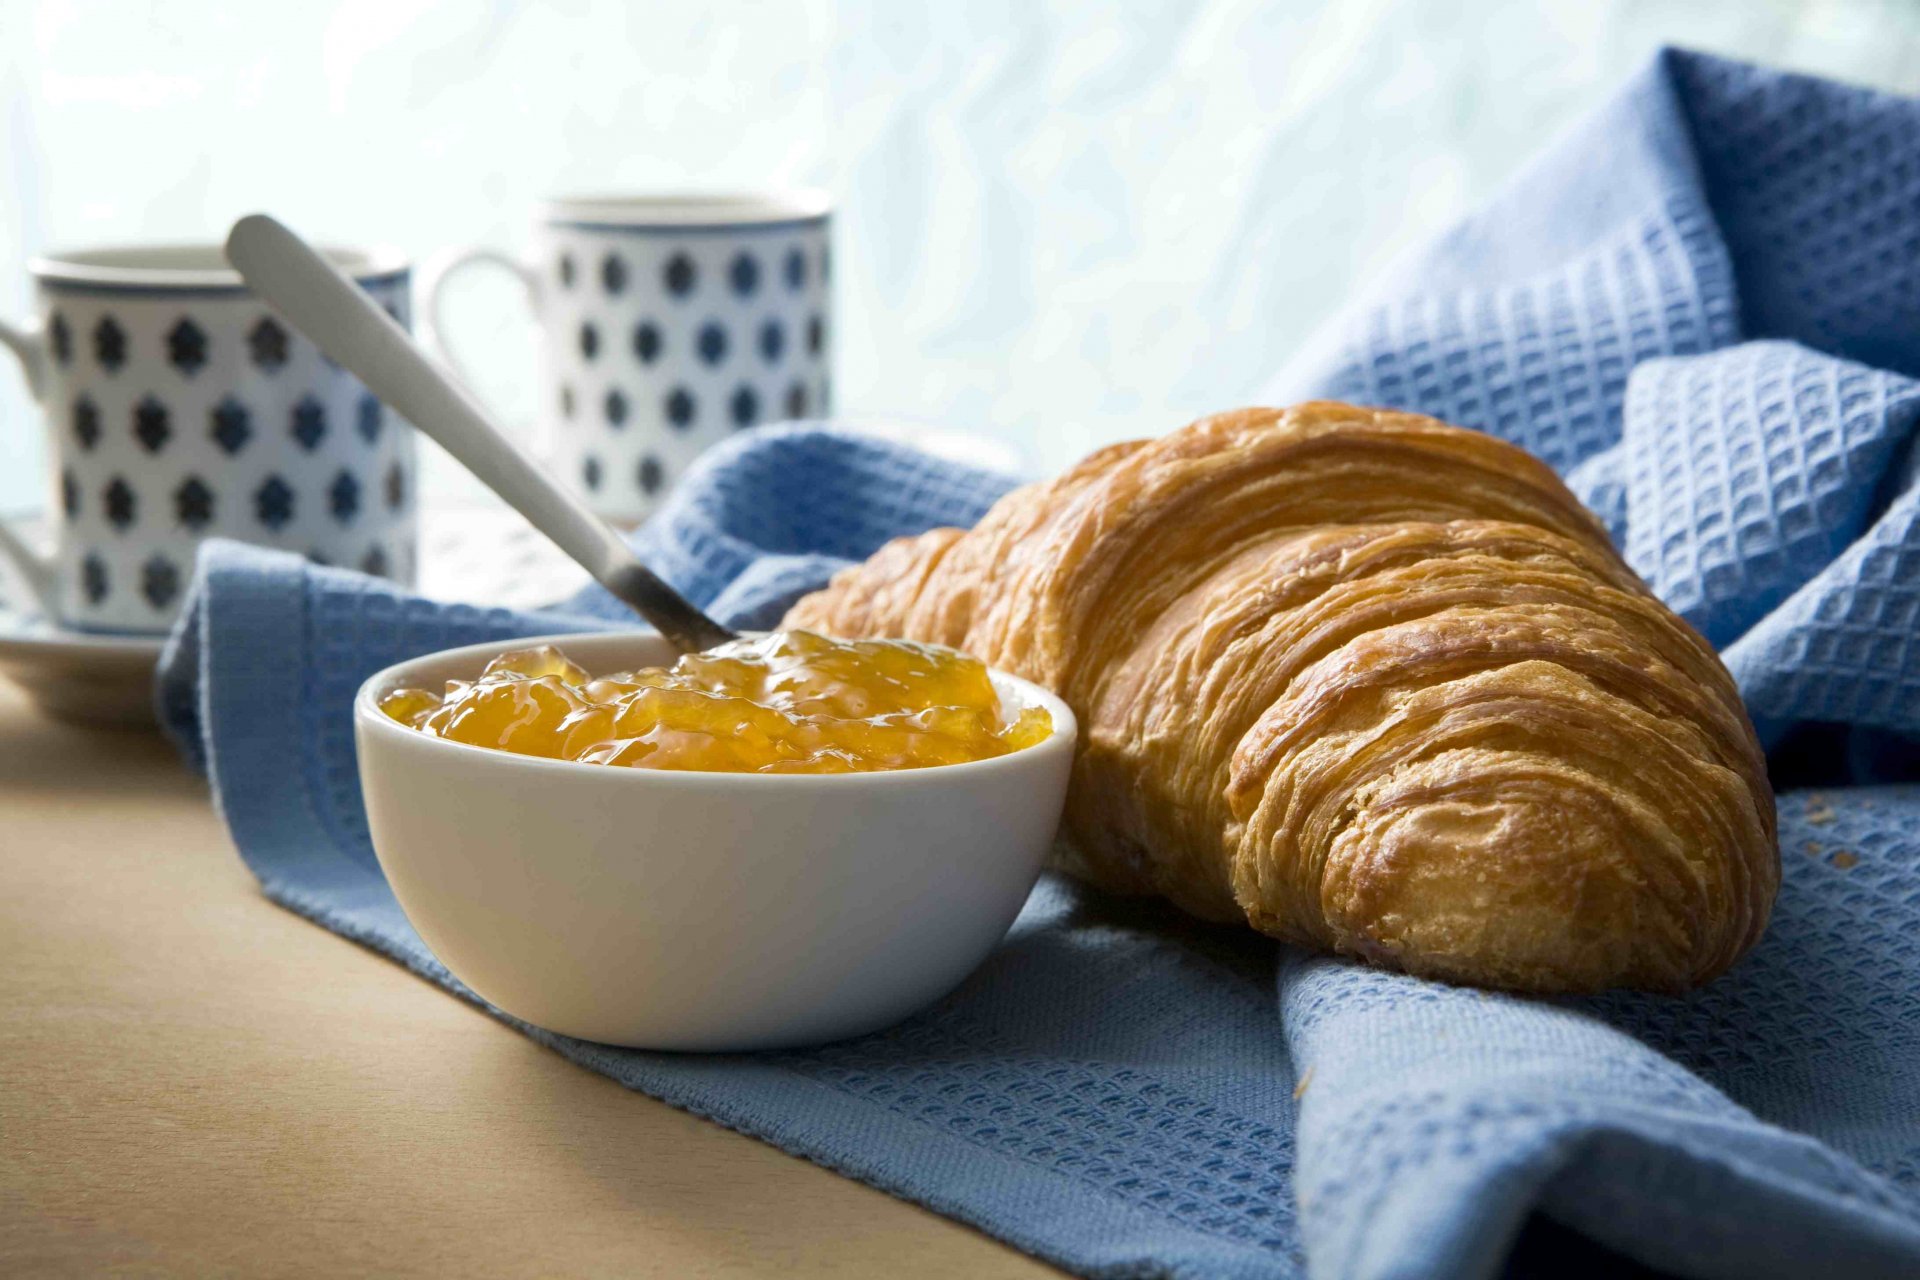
345, 323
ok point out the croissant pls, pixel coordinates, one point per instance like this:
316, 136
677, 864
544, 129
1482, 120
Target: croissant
1371, 684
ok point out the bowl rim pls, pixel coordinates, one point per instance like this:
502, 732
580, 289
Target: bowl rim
369, 719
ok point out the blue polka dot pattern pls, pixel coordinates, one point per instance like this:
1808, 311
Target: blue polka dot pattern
744, 274
273, 502
267, 345
193, 503
681, 408
60, 340
187, 346
712, 342
613, 274
309, 426
230, 428
367, 417
120, 504
195, 414
712, 330
150, 424
343, 497
681, 275
110, 344
744, 407
94, 583
86, 423
159, 581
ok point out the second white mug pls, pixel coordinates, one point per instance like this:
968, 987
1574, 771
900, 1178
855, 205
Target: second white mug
667, 323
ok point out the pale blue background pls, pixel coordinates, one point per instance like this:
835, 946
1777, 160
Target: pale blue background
1061, 223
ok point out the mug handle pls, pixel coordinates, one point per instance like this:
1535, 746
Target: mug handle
441, 268
29, 346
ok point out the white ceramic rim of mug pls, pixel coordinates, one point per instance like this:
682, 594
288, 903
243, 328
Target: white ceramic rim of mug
197, 266
689, 210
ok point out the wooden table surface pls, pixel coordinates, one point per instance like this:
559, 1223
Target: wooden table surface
194, 1081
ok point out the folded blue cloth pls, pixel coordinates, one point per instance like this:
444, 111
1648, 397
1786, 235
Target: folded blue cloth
1703, 308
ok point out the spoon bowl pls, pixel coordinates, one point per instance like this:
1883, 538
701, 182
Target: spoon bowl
701, 911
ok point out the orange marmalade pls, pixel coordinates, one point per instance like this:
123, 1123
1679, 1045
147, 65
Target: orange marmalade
790, 702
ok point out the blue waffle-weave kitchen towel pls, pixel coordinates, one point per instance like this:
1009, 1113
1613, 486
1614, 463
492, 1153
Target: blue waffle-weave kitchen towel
1704, 307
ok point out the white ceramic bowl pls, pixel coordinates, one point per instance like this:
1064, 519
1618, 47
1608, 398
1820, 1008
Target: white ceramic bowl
701, 911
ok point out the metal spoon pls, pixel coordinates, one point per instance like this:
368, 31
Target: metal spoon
344, 322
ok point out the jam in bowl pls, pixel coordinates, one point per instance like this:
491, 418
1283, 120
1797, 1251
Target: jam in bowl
789, 702
744, 881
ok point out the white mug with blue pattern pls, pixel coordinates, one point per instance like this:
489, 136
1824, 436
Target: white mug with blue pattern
180, 408
667, 324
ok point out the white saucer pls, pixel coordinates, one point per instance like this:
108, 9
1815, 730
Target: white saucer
104, 680
81, 677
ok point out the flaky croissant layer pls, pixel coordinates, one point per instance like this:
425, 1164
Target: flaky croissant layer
1372, 684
